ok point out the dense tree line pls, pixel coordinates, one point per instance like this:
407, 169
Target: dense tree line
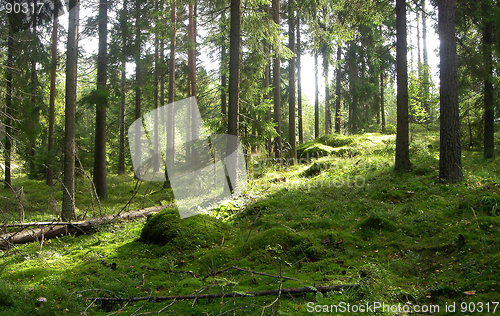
50, 97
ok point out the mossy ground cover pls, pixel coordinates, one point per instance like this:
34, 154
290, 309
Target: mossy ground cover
401, 237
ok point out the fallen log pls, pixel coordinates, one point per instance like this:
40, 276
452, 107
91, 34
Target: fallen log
297, 290
56, 229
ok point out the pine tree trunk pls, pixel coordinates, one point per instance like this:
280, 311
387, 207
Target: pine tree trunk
101, 104
426, 62
299, 85
169, 156
234, 87
121, 150
450, 160
328, 115
138, 81
337, 91
316, 97
156, 81
68, 203
382, 105
489, 102
402, 159
52, 99
8, 108
223, 61
277, 88
267, 82
291, 83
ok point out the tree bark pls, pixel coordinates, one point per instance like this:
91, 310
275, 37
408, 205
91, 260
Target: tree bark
121, 150
8, 107
291, 83
52, 99
337, 91
169, 156
101, 104
426, 62
68, 203
277, 87
138, 81
328, 114
489, 102
450, 160
223, 61
316, 97
299, 85
402, 159
382, 105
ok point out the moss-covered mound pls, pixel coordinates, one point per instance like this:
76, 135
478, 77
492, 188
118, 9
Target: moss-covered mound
167, 228
317, 150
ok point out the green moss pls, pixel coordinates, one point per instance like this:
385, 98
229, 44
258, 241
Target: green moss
167, 228
317, 150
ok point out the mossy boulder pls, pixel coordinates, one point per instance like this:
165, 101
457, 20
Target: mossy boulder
167, 228
317, 150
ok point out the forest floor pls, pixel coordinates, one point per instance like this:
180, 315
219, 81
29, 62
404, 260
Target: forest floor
407, 241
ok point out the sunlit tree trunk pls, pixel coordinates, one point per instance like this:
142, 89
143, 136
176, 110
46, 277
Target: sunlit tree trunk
52, 98
101, 104
68, 203
8, 108
450, 159
277, 88
291, 82
337, 90
299, 85
316, 97
402, 159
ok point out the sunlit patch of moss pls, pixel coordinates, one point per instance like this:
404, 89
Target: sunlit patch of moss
167, 228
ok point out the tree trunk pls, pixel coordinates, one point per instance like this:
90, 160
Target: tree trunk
234, 68
316, 97
277, 87
52, 99
328, 114
337, 91
35, 115
426, 63
56, 229
156, 139
121, 151
8, 108
169, 156
402, 159
138, 81
267, 82
299, 85
382, 109
353, 73
489, 102
450, 160
223, 61
234, 85
101, 104
68, 203
291, 83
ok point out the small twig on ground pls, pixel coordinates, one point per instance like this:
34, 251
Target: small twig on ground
119, 311
158, 312
172, 271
